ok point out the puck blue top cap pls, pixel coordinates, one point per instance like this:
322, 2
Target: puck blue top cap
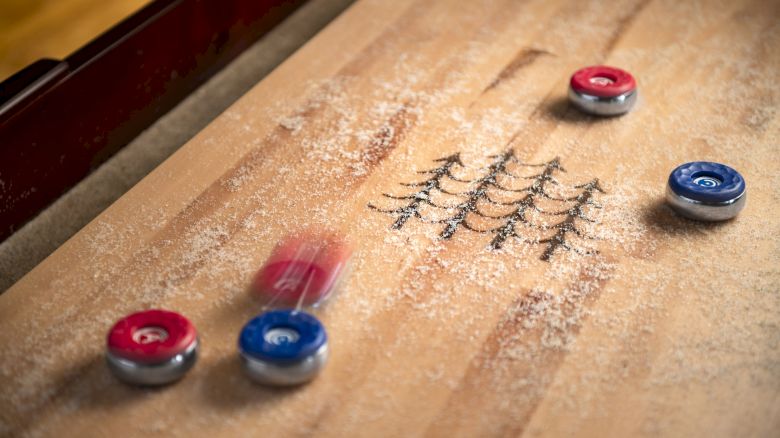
707, 182
282, 336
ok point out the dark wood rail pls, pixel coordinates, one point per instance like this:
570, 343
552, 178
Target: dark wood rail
59, 120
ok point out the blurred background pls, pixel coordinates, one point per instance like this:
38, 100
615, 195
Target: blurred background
97, 93
34, 29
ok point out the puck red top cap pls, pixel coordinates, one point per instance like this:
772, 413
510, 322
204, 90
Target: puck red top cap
286, 281
304, 267
602, 81
151, 336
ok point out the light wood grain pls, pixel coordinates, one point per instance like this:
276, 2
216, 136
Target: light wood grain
35, 29
670, 329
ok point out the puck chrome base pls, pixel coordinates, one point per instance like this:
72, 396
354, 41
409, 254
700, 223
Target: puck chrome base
268, 373
153, 374
701, 211
603, 106
283, 347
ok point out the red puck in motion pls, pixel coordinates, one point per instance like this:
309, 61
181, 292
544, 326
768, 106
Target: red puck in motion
304, 268
603, 90
152, 347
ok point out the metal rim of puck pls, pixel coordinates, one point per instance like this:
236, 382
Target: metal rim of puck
603, 90
706, 191
283, 347
152, 347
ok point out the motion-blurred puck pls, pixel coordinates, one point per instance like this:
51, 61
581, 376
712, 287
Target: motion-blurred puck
602, 90
303, 269
283, 347
152, 347
706, 191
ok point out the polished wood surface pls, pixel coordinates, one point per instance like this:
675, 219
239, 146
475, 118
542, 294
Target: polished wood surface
645, 325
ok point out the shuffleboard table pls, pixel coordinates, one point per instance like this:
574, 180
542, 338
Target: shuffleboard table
593, 310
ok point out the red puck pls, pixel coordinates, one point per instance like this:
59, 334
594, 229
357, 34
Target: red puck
303, 268
151, 336
602, 81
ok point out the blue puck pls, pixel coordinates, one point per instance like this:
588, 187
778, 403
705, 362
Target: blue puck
704, 181
706, 191
283, 347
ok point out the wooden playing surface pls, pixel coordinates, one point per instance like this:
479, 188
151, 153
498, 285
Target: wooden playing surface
623, 320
